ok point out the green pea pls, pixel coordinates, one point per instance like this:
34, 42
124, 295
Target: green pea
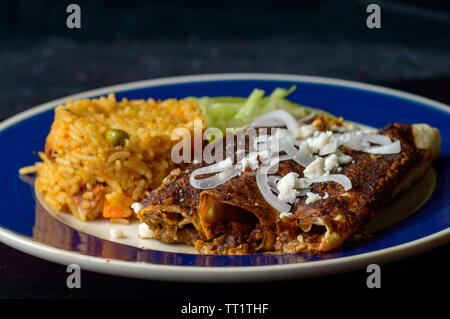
116, 137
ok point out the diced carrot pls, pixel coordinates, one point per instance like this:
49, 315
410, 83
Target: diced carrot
113, 211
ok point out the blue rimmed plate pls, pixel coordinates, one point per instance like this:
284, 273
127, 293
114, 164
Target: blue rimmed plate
26, 225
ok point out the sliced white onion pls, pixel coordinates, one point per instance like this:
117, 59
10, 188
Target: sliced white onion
302, 158
392, 148
352, 140
376, 139
308, 117
272, 181
282, 158
276, 118
215, 180
225, 170
272, 162
263, 185
337, 178
359, 141
214, 168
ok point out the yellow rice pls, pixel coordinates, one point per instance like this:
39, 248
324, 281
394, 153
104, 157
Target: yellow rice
80, 157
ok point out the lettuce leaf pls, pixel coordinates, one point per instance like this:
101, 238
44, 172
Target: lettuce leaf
234, 112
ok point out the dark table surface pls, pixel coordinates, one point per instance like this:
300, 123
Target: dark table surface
124, 41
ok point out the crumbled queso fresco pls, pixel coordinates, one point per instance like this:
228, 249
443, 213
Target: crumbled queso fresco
250, 161
144, 232
328, 160
317, 151
136, 207
312, 197
319, 143
286, 187
116, 233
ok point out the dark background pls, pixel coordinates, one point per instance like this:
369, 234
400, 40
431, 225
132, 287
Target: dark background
120, 41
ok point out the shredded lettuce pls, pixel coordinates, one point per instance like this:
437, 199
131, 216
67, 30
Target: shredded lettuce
235, 112
250, 105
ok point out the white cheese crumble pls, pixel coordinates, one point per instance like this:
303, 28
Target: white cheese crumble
344, 158
305, 148
315, 169
328, 148
286, 187
302, 183
331, 162
250, 161
253, 160
306, 131
318, 142
312, 197
284, 214
136, 207
116, 233
144, 232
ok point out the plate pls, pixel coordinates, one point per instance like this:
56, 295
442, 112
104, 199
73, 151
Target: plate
28, 226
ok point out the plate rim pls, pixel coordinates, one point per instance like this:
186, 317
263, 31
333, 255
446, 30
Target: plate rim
220, 77
220, 274
223, 273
